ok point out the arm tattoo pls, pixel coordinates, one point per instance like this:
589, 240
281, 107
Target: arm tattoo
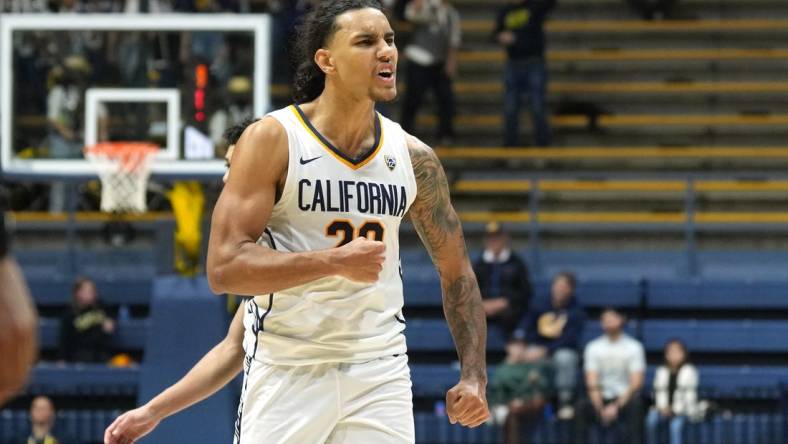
440, 230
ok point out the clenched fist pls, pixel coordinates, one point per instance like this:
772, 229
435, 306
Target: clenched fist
131, 426
466, 403
360, 260
18, 329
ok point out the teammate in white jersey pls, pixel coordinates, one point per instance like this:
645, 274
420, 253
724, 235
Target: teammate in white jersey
215, 370
331, 181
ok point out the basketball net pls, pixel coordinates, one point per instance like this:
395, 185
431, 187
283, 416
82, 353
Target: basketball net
124, 170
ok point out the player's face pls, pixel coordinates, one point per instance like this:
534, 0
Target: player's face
364, 55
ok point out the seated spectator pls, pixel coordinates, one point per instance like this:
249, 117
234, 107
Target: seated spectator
520, 388
615, 366
85, 328
675, 394
557, 324
503, 280
42, 425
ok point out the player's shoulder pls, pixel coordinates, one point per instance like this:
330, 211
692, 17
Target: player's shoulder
420, 153
268, 129
263, 147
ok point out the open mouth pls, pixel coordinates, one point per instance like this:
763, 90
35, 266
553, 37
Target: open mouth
386, 74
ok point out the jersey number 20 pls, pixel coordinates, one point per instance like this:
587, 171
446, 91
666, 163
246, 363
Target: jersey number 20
372, 230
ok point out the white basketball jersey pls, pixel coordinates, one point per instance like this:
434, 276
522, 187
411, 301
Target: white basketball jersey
327, 201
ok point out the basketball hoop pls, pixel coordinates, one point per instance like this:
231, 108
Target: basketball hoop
124, 169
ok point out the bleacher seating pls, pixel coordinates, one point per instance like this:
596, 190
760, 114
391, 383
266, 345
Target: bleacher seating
86, 426
83, 380
740, 428
429, 380
57, 292
716, 381
129, 335
731, 295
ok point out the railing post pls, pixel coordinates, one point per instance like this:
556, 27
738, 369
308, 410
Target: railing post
72, 268
533, 227
690, 229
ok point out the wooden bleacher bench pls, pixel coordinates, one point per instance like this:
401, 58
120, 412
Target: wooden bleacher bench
592, 153
483, 186
618, 55
483, 26
668, 87
625, 120
636, 219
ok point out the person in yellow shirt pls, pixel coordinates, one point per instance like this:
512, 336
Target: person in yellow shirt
42, 424
557, 324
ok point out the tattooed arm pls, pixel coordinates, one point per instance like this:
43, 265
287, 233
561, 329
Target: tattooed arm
439, 229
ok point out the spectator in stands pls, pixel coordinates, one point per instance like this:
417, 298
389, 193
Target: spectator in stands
42, 424
237, 107
557, 324
432, 62
503, 280
675, 394
64, 104
520, 388
18, 321
615, 366
520, 29
85, 328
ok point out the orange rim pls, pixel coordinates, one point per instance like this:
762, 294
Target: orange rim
131, 155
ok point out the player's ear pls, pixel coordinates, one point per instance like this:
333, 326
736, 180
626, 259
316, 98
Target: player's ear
324, 60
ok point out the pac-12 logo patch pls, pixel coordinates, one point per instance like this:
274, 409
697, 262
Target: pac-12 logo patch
391, 162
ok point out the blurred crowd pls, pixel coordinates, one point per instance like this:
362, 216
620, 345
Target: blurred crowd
57, 67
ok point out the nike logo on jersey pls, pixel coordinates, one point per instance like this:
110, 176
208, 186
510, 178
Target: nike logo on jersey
304, 162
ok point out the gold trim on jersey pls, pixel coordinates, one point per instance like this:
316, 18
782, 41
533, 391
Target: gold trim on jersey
320, 140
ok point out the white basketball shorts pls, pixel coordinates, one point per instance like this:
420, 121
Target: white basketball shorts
336, 403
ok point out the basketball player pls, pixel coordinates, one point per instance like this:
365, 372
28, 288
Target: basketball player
217, 368
325, 351
18, 321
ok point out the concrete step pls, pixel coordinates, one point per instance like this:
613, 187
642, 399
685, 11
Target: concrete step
637, 123
621, 139
605, 158
614, 33
654, 62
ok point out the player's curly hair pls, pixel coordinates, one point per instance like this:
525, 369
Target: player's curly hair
233, 133
316, 29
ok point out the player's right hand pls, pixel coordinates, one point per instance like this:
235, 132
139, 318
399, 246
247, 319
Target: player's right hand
131, 426
361, 260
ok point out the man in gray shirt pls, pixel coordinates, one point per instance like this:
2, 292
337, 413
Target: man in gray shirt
615, 366
432, 62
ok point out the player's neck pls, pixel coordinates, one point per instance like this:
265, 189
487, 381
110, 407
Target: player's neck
348, 123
